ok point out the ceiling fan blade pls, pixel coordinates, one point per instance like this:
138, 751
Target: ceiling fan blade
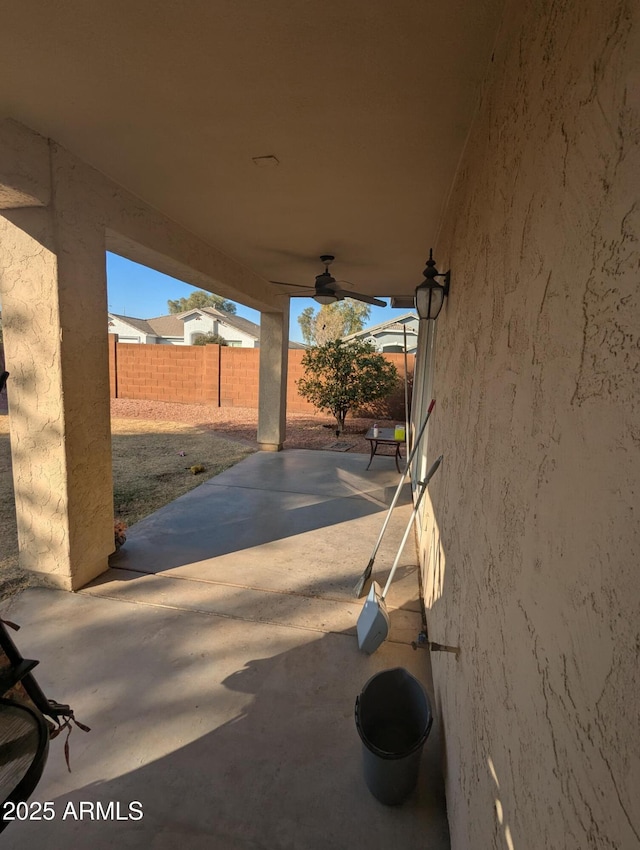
327, 287
284, 283
358, 296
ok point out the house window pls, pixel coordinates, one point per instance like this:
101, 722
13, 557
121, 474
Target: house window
234, 343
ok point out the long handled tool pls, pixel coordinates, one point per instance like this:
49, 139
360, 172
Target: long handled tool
406, 389
373, 622
364, 578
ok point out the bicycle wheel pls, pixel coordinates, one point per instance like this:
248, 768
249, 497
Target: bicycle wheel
24, 745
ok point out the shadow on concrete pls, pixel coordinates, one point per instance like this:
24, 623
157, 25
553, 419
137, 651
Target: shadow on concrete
229, 737
289, 509
212, 521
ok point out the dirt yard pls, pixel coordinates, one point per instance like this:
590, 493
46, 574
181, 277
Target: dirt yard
149, 469
239, 423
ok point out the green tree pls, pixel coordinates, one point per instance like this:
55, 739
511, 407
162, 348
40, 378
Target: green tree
333, 321
340, 376
307, 322
199, 298
209, 339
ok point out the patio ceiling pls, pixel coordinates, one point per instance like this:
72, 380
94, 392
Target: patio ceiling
366, 107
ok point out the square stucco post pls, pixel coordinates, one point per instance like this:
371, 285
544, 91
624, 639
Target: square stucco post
272, 392
53, 286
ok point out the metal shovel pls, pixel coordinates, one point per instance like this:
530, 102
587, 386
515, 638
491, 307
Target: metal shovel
373, 622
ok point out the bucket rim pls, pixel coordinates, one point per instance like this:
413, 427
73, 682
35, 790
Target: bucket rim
385, 754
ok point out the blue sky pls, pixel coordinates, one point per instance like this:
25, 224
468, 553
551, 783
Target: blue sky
135, 290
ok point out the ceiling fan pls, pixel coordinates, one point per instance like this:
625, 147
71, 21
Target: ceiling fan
327, 289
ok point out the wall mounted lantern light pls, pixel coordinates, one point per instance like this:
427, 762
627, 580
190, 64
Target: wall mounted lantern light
430, 294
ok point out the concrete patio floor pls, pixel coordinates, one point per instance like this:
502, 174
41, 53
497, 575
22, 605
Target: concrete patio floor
217, 664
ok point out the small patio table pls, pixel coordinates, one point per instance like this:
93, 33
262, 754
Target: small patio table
386, 437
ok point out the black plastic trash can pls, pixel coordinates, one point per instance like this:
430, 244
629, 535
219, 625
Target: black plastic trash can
393, 718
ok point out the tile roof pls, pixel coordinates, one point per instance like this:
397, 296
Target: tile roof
167, 325
139, 324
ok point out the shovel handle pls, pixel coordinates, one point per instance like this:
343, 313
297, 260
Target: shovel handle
414, 513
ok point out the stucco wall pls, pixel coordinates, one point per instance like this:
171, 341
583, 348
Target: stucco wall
53, 286
531, 541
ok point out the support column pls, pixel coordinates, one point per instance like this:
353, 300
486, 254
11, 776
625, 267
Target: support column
53, 286
272, 392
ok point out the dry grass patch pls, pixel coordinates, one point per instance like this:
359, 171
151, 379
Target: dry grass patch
148, 470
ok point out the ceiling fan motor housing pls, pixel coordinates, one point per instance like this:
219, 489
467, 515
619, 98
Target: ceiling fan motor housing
324, 279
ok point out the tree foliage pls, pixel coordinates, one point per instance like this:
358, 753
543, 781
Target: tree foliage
199, 298
340, 376
333, 321
307, 321
209, 339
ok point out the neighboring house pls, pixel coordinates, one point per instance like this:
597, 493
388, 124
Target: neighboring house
185, 328
389, 336
130, 329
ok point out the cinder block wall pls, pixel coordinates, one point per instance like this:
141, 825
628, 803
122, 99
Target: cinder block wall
161, 372
214, 374
295, 402
238, 376
113, 366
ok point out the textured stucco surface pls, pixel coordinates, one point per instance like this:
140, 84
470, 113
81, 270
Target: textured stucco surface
53, 287
531, 541
272, 385
25, 177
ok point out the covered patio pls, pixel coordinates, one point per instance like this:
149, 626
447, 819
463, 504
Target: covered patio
232, 146
217, 664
